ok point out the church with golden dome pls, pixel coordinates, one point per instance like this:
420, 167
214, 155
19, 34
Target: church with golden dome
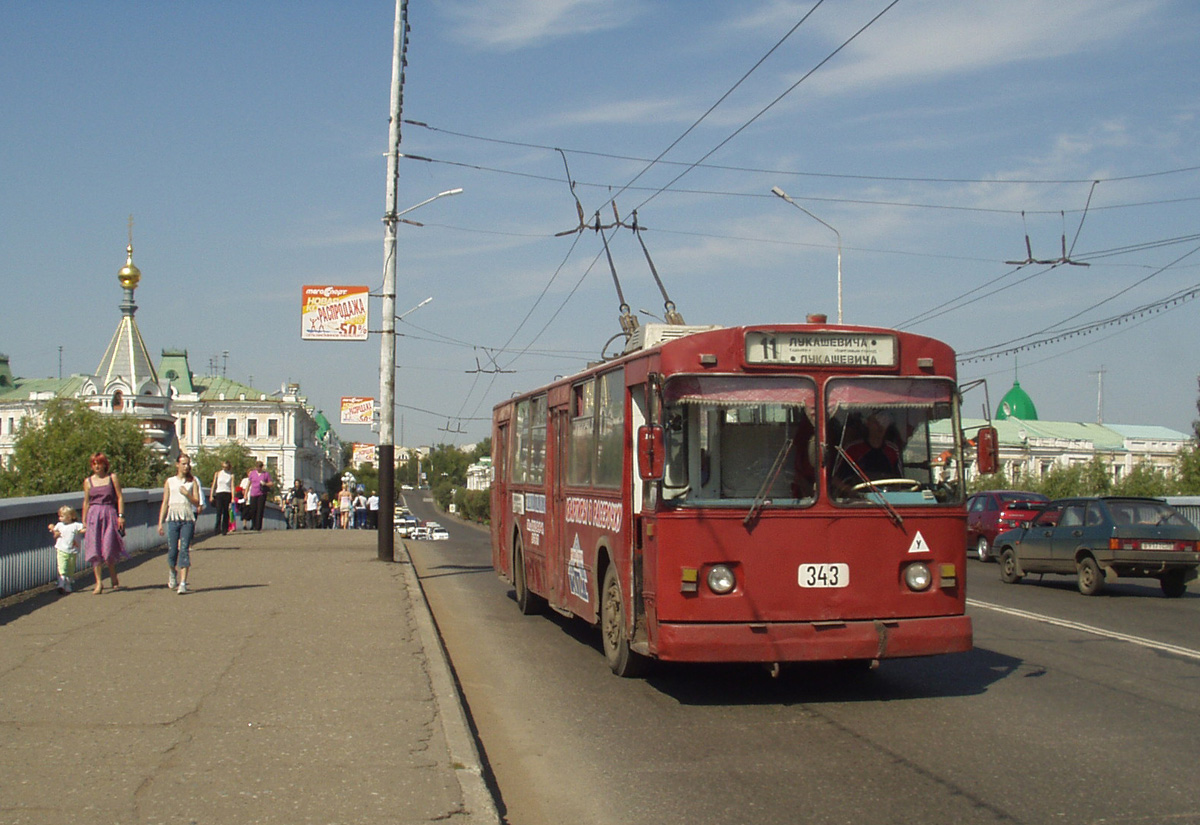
177, 409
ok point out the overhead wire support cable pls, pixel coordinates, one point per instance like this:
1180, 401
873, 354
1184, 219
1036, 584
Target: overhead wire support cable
777, 172
770, 105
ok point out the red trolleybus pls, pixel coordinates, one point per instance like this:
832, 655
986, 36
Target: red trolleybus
756, 494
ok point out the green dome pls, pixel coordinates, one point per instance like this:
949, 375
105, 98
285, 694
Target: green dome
1016, 403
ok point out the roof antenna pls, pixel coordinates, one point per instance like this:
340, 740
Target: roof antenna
670, 315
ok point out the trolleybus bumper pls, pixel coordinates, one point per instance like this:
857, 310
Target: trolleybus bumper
814, 641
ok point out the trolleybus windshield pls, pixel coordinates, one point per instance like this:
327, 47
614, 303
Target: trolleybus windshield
878, 445
735, 439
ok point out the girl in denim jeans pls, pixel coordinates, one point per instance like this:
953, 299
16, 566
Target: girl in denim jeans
181, 499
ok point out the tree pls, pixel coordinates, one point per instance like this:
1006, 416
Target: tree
1187, 470
52, 456
1062, 482
1095, 479
1143, 480
205, 463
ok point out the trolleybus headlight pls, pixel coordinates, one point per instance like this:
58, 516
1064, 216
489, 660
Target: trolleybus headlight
721, 579
917, 576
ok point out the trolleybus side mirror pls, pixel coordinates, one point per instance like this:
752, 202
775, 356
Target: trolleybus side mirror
650, 453
988, 446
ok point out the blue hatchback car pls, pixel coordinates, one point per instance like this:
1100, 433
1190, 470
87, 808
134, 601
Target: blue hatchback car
1098, 539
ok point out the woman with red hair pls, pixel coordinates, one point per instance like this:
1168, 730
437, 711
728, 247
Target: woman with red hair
104, 520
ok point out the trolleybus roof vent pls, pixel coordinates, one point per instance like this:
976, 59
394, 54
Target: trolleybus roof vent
651, 335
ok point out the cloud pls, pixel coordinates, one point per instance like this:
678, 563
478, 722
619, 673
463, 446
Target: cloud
943, 38
509, 25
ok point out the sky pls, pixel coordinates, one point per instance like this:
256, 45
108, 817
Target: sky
248, 142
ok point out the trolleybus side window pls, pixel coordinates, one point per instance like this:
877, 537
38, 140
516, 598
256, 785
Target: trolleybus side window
878, 439
529, 441
610, 429
582, 451
734, 439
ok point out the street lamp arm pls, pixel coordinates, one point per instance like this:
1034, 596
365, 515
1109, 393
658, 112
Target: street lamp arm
445, 194
414, 309
775, 190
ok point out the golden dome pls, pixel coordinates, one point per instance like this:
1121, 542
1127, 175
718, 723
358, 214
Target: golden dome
129, 274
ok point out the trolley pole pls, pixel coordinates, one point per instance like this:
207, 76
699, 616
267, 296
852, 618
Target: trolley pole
387, 346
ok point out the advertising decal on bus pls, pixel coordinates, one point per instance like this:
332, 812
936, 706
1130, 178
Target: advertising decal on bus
577, 574
592, 512
536, 530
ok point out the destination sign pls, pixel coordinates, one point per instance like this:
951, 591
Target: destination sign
821, 349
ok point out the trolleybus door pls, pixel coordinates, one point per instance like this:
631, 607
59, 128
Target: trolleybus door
558, 541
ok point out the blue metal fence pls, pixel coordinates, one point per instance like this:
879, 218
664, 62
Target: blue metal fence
27, 557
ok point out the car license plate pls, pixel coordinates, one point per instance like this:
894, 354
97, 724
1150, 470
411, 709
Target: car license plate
1157, 545
824, 575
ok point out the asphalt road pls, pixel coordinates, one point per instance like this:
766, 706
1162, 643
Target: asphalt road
1069, 710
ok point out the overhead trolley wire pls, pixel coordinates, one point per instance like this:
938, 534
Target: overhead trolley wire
778, 172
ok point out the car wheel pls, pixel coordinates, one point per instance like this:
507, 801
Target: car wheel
1008, 566
982, 550
1173, 584
1091, 578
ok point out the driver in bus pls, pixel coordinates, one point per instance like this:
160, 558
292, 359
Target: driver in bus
875, 450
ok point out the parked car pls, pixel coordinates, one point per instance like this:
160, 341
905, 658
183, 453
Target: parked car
418, 533
991, 512
1100, 538
439, 534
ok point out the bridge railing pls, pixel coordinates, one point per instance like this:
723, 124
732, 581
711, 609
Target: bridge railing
27, 556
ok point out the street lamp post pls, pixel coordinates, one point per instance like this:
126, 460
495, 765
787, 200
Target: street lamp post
780, 193
387, 378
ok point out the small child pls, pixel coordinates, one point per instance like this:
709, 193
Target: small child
67, 539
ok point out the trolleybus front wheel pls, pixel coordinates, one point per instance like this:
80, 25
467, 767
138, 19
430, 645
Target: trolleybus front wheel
621, 659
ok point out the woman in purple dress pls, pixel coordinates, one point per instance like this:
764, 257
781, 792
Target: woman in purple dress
104, 520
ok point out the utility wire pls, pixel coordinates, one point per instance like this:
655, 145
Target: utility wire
799, 173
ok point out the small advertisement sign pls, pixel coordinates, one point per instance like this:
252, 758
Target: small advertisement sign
334, 313
363, 454
357, 409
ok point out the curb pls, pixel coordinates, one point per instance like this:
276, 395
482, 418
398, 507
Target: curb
464, 756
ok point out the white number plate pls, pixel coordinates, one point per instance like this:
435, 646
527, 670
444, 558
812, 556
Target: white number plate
1157, 545
824, 575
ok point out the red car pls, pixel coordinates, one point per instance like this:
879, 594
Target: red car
994, 511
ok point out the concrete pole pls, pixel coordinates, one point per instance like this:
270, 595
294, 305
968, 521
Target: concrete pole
387, 346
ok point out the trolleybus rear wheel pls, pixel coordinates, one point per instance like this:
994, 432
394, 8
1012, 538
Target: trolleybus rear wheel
621, 659
528, 603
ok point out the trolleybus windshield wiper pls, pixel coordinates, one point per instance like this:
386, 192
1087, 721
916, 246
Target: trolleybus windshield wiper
866, 480
769, 481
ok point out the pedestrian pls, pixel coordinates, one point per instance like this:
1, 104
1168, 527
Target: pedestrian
181, 499
260, 488
373, 510
245, 508
312, 507
103, 521
68, 534
360, 510
344, 508
326, 518
222, 495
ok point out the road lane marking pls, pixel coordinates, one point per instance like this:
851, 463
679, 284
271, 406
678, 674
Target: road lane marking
1086, 628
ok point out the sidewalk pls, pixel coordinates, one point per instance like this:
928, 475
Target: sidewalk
301, 681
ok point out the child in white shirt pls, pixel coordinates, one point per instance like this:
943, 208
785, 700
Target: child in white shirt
68, 536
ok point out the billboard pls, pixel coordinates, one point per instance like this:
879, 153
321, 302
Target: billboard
333, 313
363, 454
357, 410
